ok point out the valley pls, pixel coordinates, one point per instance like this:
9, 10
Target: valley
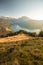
20, 43
21, 32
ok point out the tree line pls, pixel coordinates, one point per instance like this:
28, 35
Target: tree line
21, 31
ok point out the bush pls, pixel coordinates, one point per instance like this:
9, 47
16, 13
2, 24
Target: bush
41, 34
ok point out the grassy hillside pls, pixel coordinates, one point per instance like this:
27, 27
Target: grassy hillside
25, 52
20, 48
18, 37
4, 26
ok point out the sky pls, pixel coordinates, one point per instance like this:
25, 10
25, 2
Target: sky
18, 8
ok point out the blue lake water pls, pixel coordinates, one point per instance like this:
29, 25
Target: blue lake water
16, 28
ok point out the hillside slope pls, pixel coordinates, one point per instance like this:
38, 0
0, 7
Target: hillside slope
23, 52
18, 37
4, 26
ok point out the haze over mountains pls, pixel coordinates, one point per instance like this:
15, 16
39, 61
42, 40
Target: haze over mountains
23, 23
28, 23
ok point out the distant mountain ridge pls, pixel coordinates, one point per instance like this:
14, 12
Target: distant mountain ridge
22, 23
28, 23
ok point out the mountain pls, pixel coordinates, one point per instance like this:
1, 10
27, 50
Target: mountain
28, 23
4, 26
22, 23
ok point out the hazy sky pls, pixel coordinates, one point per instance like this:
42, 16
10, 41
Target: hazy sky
17, 8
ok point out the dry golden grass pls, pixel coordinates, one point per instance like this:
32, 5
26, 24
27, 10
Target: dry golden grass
18, 37
21, 50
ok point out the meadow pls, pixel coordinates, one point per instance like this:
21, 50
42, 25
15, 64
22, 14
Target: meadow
24, 52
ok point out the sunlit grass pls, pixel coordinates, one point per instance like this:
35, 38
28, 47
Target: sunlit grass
26, 52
